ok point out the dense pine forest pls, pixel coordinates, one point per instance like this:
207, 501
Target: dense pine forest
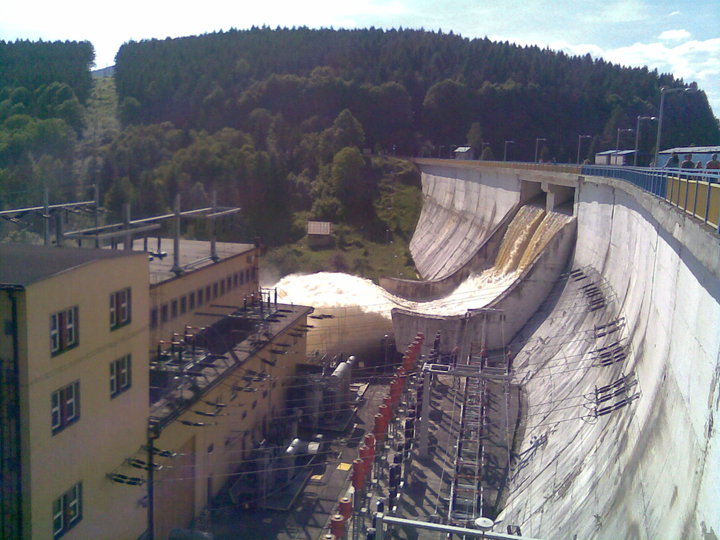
292, 124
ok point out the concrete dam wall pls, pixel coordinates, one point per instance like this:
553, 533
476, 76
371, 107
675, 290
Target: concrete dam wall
619, 365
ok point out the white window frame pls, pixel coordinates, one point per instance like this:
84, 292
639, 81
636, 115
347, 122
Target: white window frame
120, 308
120, 375
67, 510
54, 334
64, 407
64, 330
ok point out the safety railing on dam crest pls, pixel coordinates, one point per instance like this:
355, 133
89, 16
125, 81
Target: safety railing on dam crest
697, 192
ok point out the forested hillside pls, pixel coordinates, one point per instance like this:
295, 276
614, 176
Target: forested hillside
43, 87
410, 89
282, 122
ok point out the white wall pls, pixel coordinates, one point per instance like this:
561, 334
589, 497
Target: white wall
649, 470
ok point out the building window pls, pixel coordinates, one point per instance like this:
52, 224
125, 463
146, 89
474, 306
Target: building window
120, 375
173, 309
191, 301
236, 279
64, 330
200, 297
242, 278
207, 293
119, 308
247, 275
222, 287
229, 283
183, 304
67, 510
65, 406
215, 290
164, 313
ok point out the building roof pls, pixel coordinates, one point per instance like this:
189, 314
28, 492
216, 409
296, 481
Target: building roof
24, 264
692, 150
194, 254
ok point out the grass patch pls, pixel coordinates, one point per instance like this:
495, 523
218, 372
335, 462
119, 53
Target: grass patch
352, 254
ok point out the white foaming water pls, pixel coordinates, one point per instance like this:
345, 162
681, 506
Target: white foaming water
360, 310
336, 290
527, 234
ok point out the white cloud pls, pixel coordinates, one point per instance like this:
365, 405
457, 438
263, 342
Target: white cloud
619, 12
675, 35
694, 60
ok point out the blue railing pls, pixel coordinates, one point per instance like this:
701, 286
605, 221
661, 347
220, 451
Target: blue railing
696, 191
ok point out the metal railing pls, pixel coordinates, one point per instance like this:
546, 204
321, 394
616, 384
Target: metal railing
695, 191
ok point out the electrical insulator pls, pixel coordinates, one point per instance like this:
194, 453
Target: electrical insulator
345, 508
337, 525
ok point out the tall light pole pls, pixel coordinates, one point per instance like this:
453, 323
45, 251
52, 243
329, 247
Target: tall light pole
619, 131
505, 152
580, 138
482, 149
637, 134
537, 141
665, 90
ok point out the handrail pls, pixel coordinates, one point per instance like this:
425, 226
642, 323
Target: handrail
695, 191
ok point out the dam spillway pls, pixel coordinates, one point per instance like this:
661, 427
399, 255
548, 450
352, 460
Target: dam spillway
648, 467
356, 311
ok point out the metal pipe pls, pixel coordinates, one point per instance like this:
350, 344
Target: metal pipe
46, 217
151, 485
96, 190
474, 533
176, 238
213, 232
11, 522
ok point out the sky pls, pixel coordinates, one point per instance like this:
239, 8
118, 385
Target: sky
681, 37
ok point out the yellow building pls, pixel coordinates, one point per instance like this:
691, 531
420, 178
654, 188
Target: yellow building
74, 390
193, 279
214, 394
89, 336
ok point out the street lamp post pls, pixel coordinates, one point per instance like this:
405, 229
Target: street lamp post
637, 135
619, 131
505, 151
537, 141
580, 138
482, 149
665, 90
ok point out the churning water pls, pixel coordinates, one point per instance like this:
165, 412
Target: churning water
362, 308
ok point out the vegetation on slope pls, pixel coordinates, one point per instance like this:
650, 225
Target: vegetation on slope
292, 125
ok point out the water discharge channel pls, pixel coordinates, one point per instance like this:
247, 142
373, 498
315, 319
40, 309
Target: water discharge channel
356, 312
